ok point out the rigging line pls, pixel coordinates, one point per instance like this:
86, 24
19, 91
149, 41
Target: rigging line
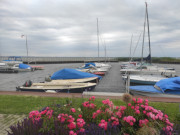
103, 44
98, 36
148, 31
130, 58
143, 39
136, 45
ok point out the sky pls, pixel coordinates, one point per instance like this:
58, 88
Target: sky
68, 28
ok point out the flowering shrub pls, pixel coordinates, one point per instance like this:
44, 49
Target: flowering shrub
107, 119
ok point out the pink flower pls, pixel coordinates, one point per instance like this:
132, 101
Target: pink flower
98, 111
82, 130
71, 132
49, 113
86, 104
168, 130
134, 100
144, 112
94, 115
130, 120
35, 115
122, 108
119, 114
115, 121
140, 101
146, 101
137, 112
136, 107
92, 98
103, 124
43, 112
92, 105
143, 122
80, 123
70, 119
73, 110
131, 123
72, 125
165, 116
129, 104
80, 116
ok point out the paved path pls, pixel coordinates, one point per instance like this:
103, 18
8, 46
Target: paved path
112, 81
6, 120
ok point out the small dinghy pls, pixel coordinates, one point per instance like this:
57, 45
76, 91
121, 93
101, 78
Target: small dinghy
55, 86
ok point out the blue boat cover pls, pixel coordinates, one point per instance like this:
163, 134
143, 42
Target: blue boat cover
68, 73
170, 84
145, 88
24, 66
90, 63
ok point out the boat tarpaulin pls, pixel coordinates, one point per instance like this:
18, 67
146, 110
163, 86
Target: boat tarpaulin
170, 84
68, 73
90, 63
24, 66
145, 88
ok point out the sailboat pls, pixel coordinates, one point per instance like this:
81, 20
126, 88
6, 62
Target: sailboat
147, 73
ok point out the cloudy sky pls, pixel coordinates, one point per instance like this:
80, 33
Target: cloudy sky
68, 28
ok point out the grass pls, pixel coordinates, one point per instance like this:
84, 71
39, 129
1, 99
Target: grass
10, 104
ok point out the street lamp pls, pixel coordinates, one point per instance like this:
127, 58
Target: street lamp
26, 45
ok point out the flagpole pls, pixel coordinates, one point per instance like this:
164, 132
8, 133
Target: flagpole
26, 47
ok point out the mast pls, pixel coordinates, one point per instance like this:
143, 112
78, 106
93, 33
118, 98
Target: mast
98, 36
146, 21
148, 32
143, 38
130, 57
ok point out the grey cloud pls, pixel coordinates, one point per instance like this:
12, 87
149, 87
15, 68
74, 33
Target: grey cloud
68, 27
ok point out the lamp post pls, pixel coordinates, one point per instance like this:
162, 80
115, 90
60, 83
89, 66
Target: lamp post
26, 46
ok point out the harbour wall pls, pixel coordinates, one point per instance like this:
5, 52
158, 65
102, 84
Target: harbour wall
54, 60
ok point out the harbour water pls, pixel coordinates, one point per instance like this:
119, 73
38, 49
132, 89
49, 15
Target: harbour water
112, 82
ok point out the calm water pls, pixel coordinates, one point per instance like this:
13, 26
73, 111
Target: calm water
9, 82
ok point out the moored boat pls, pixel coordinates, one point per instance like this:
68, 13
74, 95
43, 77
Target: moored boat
68, 73
37, 67
143, 79
67, 87
22, 67
164, 88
